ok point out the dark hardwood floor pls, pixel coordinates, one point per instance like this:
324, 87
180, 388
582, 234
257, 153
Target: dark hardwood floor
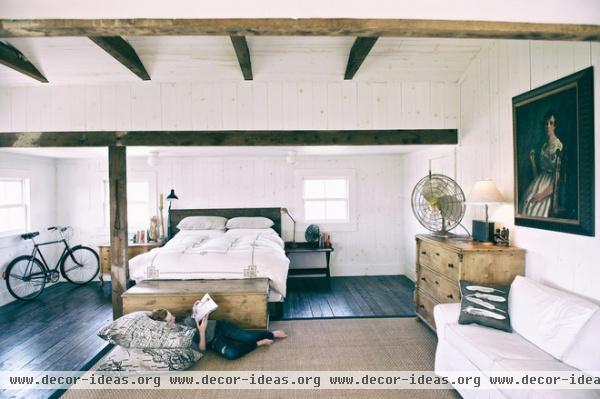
57, 331
356, 296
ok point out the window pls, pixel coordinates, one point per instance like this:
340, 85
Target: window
138, 204
325, 199
14, 205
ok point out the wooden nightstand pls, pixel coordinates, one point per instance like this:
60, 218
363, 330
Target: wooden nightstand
132, 250
306, 248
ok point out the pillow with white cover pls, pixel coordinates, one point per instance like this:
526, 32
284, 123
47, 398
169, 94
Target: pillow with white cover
257, 222
202, 223
138, 330
150, 359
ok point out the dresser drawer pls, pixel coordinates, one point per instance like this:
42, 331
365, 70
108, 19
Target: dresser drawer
425, 305
438, 286
439, 259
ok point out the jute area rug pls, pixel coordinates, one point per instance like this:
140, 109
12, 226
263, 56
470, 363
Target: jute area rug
344, 344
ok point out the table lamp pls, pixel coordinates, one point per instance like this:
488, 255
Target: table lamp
171, 197
484, 192
285, 211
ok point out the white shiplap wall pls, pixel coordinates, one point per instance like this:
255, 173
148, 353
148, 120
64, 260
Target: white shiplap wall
373, 248
230, 105
503, 70
41, 173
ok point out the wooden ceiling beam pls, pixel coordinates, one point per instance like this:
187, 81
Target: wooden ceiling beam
123, 52
359, 51
298, 27
240, 45
230, 138
14, 59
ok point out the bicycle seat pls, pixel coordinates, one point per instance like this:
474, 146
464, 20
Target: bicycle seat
29, 236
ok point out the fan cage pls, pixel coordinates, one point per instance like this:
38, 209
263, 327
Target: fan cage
438, 203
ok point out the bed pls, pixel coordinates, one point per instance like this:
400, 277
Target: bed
218, 254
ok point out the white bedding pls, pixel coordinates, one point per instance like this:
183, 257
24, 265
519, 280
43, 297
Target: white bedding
214, 254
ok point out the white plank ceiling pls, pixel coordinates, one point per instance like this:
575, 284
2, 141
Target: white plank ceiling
78, 61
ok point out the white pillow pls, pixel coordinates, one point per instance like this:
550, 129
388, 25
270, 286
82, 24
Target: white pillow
202, 223
547, 317
249, 223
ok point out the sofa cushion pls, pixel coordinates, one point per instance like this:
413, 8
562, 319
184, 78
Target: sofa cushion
484, 304
547, 317
485, 347
445, 314
584, 353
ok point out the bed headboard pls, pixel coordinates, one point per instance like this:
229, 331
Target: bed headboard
176, 215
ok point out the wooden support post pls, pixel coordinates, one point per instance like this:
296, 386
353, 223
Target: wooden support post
117, 178
359, 51
240, 45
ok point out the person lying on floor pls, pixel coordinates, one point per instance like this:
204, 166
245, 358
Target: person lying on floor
223, 337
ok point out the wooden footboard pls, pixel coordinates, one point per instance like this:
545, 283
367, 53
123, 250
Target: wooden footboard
243, 302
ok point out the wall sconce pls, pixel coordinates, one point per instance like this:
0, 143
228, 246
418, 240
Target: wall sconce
171, 197
484, 192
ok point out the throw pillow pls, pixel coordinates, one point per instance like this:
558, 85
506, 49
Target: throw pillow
484, 304
151, 359
137, 330
257, 222
202, 223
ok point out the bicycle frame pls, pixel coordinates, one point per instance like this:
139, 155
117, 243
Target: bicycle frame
66, 249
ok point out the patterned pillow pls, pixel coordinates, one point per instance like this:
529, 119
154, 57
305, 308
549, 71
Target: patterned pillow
484, 304
137, 330
150, 359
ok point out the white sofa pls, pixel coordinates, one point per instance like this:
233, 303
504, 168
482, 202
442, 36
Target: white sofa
552, 331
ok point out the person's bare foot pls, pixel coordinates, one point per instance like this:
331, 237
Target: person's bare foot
264, 342
279, 334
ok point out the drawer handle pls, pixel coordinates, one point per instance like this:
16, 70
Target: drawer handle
423, 279
451, 265
421, 306
423, 252
437, 282
450, 296
437, 254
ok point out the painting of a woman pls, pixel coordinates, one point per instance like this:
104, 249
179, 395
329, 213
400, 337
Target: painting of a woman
553, 128
542, 196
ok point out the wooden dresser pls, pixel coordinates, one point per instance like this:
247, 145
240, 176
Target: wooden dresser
442, 262
132, 250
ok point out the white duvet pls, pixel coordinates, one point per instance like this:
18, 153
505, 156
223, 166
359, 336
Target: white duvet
214, 254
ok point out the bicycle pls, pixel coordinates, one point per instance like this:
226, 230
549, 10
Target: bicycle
26, 276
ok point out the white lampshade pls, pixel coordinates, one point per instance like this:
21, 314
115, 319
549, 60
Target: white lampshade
485, 192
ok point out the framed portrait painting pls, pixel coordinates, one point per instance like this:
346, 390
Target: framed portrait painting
554, 155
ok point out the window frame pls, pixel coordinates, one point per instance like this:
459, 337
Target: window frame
349, 175
25, 201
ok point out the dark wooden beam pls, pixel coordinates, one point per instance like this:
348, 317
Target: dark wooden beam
117, 181
298, 27
230, 138
14, 59
122, 51
240, 46
359, 51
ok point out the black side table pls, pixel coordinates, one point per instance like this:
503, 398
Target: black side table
306, 248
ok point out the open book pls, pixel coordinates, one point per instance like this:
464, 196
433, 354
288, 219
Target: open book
203, 307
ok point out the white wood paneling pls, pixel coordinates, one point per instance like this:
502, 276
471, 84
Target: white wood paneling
241, 105
501, 71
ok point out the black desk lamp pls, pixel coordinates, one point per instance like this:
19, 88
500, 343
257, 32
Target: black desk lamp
171, 197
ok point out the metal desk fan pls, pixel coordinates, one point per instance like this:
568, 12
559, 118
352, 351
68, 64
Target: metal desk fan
438, 203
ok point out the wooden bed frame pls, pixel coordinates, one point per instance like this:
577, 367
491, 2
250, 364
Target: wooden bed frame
176, 215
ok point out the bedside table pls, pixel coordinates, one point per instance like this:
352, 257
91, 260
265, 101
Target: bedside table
307, 248
132, 250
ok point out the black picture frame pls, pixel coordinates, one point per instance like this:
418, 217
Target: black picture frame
553, 127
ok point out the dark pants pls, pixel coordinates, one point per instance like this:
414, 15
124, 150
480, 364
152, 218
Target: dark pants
232, 342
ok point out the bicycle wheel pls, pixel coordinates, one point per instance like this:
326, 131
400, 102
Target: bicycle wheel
25, 278
81, 265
